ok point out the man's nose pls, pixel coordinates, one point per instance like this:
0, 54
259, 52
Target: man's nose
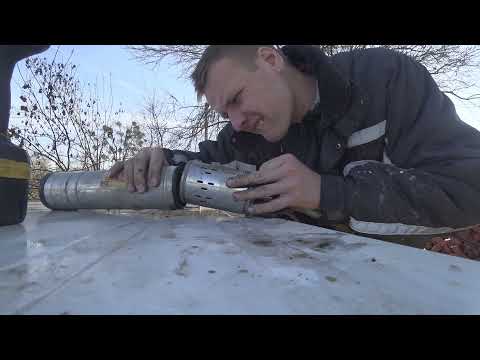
238, 120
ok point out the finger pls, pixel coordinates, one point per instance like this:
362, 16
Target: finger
270, 171
261, 192
457, 251
446, 249
274, 205
462, 234
471, 251
260, 177
274, 163
140, 170
129, 175
115, 170
437, 247
476, 237
157, 161
122, 176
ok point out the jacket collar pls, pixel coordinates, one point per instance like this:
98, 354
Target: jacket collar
334, 89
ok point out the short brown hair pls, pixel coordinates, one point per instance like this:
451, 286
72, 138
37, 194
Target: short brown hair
245, 53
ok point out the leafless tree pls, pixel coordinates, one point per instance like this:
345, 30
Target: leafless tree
123, 141
200, 123
73, 126
48, 106
184, 56
157, 120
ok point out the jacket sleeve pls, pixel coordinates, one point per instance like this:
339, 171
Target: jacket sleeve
433, 180
220, 151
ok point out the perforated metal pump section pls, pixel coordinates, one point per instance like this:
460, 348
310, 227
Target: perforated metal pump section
205, 185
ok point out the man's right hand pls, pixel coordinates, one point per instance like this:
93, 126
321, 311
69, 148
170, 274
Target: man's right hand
140, 172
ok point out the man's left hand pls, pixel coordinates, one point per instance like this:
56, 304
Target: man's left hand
289, 182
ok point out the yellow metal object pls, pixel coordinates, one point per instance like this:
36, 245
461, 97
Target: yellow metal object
114, 184
316, 214
14, 169
343, 228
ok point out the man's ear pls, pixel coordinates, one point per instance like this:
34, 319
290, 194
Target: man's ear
271, 57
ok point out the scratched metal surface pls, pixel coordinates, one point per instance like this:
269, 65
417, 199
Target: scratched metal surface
90, 263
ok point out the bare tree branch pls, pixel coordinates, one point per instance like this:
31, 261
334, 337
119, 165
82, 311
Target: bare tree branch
467, 98
184, 56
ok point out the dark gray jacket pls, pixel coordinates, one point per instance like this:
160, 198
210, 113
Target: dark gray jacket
393, 154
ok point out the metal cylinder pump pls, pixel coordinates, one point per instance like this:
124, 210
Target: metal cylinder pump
89, 190
205, 185
195, 183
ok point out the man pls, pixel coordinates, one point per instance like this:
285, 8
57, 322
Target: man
364, 138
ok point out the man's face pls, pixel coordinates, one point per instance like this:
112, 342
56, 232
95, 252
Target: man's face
257, 100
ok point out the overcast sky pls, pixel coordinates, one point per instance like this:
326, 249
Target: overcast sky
133, 81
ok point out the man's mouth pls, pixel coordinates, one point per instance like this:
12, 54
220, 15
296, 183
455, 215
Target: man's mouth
256, 126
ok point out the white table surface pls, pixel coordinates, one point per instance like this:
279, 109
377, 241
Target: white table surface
90, 263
